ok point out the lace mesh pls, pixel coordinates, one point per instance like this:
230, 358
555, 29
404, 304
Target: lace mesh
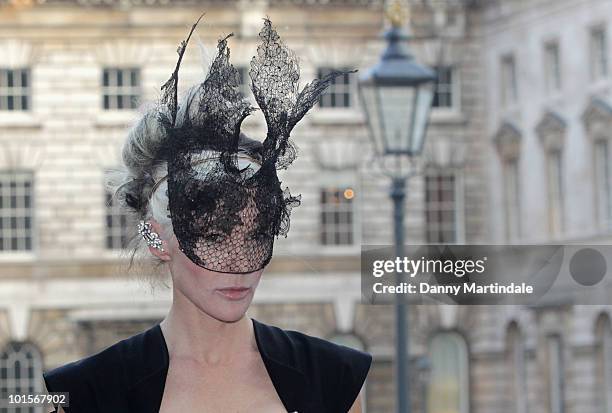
226, 219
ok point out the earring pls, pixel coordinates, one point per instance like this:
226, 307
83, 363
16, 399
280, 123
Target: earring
151, 237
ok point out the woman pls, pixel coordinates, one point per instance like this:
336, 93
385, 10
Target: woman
210, 205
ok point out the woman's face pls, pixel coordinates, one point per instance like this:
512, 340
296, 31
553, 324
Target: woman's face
223, 296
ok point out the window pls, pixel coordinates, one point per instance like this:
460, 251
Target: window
337, 216
509, 81
245, 81
512, 207
552, 66
15, 89
120, 88
445, 96
20, 372
16, 210
339, 94
599, 53
119, 225
602, 182
449, 386
516, 369
555, 192
603, 333
556, 373
441, 208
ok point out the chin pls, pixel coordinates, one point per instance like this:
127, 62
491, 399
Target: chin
228, 315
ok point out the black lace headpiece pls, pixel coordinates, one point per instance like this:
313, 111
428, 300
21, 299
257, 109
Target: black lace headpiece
226, 218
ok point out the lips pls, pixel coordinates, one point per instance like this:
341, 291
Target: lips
234, 293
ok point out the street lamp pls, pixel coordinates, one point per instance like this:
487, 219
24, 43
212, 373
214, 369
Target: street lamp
423, 365
396, 95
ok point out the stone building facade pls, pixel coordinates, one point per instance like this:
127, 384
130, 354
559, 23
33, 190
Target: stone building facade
74, 74
548, 77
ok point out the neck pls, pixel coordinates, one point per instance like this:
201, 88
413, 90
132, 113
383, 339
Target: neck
191, 333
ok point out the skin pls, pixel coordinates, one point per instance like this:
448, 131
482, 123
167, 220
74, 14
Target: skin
214, 359
212, 343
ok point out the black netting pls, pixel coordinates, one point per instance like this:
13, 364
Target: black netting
226, 219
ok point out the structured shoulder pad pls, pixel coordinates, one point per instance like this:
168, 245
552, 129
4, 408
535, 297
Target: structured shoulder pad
104, 373
340, 370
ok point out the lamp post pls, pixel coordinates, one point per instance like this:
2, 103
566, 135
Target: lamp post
396, 96
424, 367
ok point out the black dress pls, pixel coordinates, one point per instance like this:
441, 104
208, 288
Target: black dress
310, 375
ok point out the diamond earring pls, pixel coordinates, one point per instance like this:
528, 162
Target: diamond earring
151, 237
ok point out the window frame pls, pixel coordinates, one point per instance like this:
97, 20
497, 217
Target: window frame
26, 92
517, 366
455, 90
113, 211
555, 374
603, 342
509, 80
555, 198
353, 224
244, 82
464, 382
458, 203
598, 53
602, 156
114, 92
512, 207
553, 70
33, 383
8, 177
351, 89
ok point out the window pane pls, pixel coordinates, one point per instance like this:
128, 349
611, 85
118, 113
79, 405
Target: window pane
336, 216
555, 192
24, 78
552, 67
449, 383
340, 90
119, 226
509, 84
556, 372
20, 369
134, 80
121, 88
512, 211
105, 80
14, 89
15, 203
602, 178
440, 208
443, 97
599, 53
